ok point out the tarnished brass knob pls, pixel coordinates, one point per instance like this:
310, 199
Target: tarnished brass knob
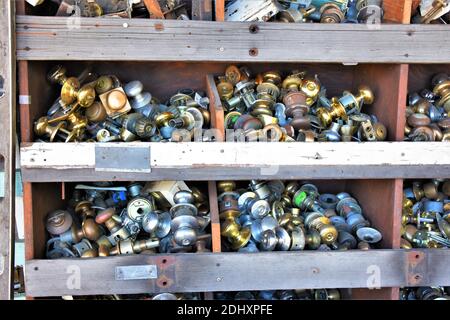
331, 13
113, 224
70, 86
310, 87
409, 231
104, 246
443, 90
322, 224
292, 83
225, 89
233, 74
313, 239
43, 128
162, 119
405, 244
131, 247
105, 84
84, 209
238, 237
226, 186
96, 112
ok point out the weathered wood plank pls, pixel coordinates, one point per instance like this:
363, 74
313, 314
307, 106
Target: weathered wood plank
7, 147
235, 272
43, 162
51, 38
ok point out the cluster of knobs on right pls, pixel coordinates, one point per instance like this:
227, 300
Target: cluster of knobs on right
274, 216
426, 215
427, 114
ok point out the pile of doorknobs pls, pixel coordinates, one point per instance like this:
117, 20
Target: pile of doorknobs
425, 293
294, 108
299, 11
427, 114
318, 294
426, 215
161, 9
101, 108
104, 219
274, 216
432, 11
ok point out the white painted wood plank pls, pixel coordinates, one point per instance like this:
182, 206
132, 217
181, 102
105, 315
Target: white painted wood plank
244, 155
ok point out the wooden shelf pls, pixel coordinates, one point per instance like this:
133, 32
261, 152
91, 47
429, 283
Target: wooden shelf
237, 271
55, 38
56, 162
147, 50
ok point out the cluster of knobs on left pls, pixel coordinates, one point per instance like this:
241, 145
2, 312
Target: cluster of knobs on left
100, 108
103, 220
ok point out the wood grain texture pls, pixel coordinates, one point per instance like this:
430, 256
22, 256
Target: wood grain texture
154, 9
243, 161
7, 148
220, 10
215, 221
236, 272
215, 108
398, 11
389, 85
49, 38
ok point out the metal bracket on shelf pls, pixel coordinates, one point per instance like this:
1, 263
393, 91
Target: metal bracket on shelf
109, 157
143, 272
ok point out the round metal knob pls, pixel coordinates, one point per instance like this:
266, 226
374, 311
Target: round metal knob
369, 235
58, 222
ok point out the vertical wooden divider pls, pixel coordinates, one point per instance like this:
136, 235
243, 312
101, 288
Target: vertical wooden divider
394, 86
215, 221
154, 9
220, 10
215, 108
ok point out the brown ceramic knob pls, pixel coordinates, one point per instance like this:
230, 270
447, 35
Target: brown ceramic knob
295, 99
418, 120
84, 209
248, 122
431, 190
444, 124
289, 130
446, 188
58, 222
96, 113
422, 134
436, 131
116, 99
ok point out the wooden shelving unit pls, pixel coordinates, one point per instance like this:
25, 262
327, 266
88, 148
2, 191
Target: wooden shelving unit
196, 51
